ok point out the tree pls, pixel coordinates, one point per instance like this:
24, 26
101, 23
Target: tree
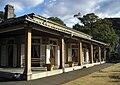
1, 15
100, 29
88, 20
57, 20
115, 24
103, 31
81, 28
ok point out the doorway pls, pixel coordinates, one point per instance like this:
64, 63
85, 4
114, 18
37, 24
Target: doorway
74, 52
54, 58
12, 53
10, 56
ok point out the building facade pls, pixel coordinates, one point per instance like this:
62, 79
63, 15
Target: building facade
34, 41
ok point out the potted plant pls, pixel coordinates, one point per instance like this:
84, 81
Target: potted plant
50, 67
71, 64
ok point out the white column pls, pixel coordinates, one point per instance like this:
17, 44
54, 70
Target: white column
47, 54
62, 62
57, 58
91, 53
99, 54
104, 53
27, 68
80, 53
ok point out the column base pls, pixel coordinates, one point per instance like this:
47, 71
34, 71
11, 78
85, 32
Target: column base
79, 64
27, 76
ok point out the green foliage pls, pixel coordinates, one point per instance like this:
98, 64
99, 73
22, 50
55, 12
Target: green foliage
81, 28
115, 25
1, 15
14, 15
100, 29
57, 20
88, 19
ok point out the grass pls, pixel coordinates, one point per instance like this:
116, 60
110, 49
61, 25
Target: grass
107, 76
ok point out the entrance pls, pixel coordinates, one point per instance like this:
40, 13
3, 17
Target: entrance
54, 59
36, 52
10, 56
12, 53
75, 53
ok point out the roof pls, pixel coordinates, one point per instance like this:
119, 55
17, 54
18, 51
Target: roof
39, 20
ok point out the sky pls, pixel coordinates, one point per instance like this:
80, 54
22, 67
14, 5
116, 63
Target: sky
65, 9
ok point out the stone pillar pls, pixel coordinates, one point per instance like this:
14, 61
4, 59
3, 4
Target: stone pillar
80, 53
62, 62
91, 53
99, 54
104, 53
27, 68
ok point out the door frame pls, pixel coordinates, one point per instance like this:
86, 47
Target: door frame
14, 57
56, 60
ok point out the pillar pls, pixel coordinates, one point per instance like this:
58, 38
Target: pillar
99, 54
80, 53
62, 62
27, 68
91, 53
104, 54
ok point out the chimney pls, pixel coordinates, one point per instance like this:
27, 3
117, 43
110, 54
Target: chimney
9, 12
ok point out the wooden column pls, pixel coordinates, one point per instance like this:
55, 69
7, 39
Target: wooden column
62, 53
91, 53
27, 68
99, 54
104, 53
80, 53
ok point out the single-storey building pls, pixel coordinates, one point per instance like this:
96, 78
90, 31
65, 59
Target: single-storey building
34, 41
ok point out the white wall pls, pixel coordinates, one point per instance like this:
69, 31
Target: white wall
48, 54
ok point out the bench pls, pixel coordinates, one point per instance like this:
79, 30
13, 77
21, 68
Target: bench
36, 61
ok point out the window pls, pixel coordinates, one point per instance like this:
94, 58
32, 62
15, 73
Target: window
74, 46
36, 41
36, 44
53, 42
36, 51
11, 41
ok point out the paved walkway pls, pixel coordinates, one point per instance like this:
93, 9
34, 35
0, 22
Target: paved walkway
59, 79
